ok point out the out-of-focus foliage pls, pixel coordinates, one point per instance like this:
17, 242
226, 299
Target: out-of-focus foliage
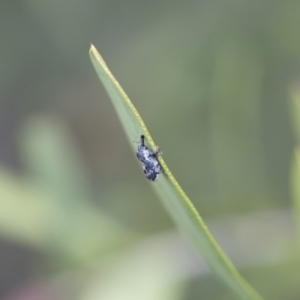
212, 80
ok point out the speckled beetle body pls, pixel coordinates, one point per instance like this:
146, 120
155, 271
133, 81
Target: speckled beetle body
149, 160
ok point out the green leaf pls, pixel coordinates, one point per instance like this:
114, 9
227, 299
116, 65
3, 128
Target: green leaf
172, 195
294, 107
81, 231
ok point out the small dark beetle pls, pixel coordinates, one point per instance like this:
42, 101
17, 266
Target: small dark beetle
149, 160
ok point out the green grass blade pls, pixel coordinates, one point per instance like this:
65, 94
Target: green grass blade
294, 107
172, 195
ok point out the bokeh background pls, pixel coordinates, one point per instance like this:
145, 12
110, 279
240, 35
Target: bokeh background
217, 83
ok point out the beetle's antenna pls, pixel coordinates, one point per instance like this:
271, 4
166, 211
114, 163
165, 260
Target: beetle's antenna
142, 141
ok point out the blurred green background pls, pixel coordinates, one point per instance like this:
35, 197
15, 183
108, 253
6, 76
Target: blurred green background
217, 83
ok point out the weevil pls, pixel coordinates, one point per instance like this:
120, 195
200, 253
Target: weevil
149, 160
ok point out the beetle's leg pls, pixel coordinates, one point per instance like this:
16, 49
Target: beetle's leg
157, 152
